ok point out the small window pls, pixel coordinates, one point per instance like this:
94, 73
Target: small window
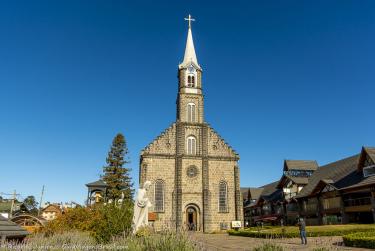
223, 197
191, 145
191, 112
369, 171
159, 196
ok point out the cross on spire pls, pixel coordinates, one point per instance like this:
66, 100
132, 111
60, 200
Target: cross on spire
189, 19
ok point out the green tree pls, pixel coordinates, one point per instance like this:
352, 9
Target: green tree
31, 204
116, 174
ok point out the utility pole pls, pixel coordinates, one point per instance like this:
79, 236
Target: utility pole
41, 200
12, 206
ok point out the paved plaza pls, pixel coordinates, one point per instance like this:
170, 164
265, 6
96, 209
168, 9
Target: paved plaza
213, 242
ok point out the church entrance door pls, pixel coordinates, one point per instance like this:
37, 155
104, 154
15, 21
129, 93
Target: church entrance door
191, 218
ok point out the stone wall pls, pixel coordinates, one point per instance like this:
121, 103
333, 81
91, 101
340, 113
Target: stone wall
221, 171
163, 169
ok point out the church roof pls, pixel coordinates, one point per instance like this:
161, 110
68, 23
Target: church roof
189, 57
11, 229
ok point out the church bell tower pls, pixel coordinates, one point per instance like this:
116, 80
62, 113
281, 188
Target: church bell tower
190, 97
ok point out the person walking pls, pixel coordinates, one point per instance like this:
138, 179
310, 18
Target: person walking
302, 231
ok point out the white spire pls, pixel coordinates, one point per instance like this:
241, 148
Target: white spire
190, 57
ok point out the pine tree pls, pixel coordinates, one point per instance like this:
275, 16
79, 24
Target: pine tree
116, 175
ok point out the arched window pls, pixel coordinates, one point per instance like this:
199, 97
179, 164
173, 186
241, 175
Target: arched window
191, 145
191, 112
191, 80
159, 196
223, 197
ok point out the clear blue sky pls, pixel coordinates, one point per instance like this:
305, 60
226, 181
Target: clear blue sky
282, 80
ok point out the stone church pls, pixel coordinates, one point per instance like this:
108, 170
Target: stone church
194, 172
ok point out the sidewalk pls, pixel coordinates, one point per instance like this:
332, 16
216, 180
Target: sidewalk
213, 242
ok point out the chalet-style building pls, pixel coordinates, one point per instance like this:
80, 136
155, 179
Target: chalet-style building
51, 212
341, 192
265, 207
295, 177
337, 193
250, 195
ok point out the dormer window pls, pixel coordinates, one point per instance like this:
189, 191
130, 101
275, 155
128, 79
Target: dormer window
369, 171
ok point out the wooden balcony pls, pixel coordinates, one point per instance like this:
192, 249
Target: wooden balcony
363, 208
358, 205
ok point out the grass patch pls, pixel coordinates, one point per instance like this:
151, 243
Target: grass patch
312, 231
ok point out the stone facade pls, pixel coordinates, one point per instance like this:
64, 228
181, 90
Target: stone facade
192, 172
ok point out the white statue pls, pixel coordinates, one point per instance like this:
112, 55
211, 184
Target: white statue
121, 200
141, 205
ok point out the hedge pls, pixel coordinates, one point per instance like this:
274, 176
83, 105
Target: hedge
361, 240
265, 235
293, 232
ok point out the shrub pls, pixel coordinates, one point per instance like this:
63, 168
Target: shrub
263, 234
269, 247
144, 231
361, 239
113, 221
103, 222
79, 219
